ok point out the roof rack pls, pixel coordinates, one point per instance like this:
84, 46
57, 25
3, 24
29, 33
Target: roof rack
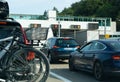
8, 19
4, 9
12, 19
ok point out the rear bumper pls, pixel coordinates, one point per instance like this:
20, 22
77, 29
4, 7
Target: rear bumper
65, 56
112, 72
59, 55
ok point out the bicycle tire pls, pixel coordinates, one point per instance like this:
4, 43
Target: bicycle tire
24, 68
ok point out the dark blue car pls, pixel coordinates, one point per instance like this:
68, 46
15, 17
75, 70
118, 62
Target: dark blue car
57, 48
101, 57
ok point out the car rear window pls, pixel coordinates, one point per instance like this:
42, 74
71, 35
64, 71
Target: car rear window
115, 45
66, 42
5, 31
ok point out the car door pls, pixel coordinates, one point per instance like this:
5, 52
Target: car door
80, 57
90, 54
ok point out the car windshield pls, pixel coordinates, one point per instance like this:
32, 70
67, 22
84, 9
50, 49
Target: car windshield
66, 42
115, 45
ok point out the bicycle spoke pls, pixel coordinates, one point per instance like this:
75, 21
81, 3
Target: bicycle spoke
22, 59
29, 68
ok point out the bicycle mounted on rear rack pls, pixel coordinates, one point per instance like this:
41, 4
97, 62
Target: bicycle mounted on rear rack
19, 61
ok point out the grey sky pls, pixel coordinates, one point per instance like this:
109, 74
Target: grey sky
37, 6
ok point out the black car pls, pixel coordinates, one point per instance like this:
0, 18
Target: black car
7, 25
59, 48
101, 57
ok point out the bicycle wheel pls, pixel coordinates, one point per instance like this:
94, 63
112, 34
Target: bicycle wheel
28, 65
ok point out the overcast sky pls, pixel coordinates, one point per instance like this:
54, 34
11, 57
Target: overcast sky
37, 6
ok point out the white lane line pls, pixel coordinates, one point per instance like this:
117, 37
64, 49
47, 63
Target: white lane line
60, 77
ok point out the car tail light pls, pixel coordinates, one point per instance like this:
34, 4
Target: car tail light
24, 36
116, 57
66, 38
2, 23
55, 46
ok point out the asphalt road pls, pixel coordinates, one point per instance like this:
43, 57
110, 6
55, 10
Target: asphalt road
59, 72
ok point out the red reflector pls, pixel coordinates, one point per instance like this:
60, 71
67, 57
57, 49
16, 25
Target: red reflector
116, 57
30, 56
3, 23
55, 46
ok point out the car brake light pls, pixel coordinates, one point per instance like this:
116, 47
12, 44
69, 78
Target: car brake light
116, 57
55, 46
3, 23
66, 38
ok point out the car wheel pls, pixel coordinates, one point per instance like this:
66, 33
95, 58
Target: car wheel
98, 71
49, 58
71, 65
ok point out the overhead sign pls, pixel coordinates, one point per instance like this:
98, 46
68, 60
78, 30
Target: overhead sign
75, 27
35, 25
93, 26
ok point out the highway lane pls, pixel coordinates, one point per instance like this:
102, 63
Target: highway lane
59, 72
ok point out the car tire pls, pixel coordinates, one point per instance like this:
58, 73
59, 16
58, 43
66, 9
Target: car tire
71, 65
50, 58
98, 71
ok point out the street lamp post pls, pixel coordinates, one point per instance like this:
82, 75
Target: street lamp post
59, 28
105, 28
104, 21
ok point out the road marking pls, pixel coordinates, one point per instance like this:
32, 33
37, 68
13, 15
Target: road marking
60, 77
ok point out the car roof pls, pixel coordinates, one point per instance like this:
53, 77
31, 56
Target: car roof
61, 38
10, 22
106, 40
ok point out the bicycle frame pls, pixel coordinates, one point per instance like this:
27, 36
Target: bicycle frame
5, 50
31, 56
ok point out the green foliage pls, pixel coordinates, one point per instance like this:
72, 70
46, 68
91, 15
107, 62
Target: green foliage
67, 11
54, 8
95, 8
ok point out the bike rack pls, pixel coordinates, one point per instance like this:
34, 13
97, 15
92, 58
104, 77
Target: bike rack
34, 42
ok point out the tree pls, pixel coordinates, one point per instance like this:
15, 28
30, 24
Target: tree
55, 9
95, 8
67, 11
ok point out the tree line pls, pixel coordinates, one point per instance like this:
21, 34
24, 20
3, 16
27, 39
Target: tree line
93, 8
